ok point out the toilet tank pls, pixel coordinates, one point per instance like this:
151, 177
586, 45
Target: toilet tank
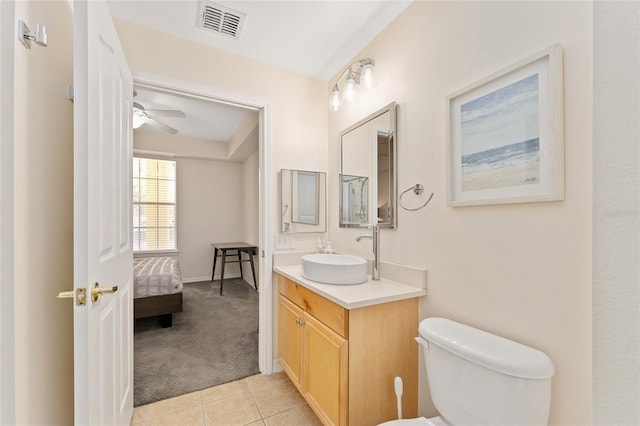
478, 378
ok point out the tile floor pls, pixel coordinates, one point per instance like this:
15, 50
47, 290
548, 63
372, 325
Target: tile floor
256, 401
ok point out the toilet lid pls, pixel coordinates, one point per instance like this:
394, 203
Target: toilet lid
420, 421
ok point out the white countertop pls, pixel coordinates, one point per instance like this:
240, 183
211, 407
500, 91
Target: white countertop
356, 295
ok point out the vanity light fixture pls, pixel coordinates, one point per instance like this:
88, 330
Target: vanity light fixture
349, 88
360, 72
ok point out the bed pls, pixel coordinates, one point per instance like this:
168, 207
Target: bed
157, 283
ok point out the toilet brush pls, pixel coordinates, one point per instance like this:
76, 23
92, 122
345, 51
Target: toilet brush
397, 384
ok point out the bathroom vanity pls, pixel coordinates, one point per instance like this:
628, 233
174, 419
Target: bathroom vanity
342, 346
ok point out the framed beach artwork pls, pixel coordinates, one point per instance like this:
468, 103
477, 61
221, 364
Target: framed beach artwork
505, 135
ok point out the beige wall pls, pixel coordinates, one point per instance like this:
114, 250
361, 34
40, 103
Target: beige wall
43, 231
187, 147
616, 214
246, 139
298, 103
212, 201
522, 271
7, 341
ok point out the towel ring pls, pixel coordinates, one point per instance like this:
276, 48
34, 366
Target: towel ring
417, 189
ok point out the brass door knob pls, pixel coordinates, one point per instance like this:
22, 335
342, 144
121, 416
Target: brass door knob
98, 291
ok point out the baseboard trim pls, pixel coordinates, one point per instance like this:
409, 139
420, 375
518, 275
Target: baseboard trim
208, 278
276, 367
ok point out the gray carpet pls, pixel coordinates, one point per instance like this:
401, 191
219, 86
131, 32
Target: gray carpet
213, 341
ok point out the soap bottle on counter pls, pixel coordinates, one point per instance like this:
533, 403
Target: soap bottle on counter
327, 248
319, 246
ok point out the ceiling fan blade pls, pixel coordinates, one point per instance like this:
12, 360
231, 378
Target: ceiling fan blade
155, 123
166, 113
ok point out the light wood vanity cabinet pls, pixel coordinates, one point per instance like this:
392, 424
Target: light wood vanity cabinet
343, 361
290, 338
312, 354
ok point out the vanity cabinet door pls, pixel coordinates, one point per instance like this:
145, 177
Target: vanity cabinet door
289, 338
325, 371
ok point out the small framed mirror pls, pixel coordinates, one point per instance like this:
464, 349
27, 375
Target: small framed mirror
368, 171
303, 201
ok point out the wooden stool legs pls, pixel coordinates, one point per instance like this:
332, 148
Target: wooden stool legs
238, 254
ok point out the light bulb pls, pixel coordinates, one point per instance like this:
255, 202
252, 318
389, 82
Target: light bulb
367, 76
334, 100
349, 88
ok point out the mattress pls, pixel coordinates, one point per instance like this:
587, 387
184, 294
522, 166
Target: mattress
156, 276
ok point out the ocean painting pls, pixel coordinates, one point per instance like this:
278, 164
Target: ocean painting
500, 137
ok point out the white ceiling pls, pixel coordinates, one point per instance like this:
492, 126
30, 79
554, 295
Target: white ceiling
203, 119
315, 38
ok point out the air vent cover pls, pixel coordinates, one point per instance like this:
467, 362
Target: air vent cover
220, 19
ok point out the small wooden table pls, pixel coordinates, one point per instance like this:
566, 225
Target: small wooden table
238, 248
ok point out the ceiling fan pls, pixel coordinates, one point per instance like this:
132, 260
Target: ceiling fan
141, 116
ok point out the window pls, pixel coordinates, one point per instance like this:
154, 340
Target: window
154, 205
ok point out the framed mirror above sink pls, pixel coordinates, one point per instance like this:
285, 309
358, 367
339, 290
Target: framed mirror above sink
368, 171
303, 205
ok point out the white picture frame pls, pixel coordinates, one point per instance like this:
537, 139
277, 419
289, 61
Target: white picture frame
505, 135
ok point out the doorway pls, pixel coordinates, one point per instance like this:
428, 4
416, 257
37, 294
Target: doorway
264, 203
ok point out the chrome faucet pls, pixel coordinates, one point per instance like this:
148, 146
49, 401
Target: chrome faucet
375, 237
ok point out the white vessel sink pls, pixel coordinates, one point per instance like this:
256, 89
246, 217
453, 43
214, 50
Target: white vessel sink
339, 269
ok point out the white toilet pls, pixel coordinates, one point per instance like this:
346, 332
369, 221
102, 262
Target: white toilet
478, 378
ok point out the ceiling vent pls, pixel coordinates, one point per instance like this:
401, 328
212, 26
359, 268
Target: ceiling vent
220, 19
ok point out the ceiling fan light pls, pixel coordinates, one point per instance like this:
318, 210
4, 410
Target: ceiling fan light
334, 99
138, 120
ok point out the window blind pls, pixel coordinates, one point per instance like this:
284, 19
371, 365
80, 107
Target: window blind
154, 205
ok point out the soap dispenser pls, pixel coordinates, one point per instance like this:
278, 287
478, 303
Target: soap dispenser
327, 248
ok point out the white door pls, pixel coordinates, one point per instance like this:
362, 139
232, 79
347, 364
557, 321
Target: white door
103, 329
